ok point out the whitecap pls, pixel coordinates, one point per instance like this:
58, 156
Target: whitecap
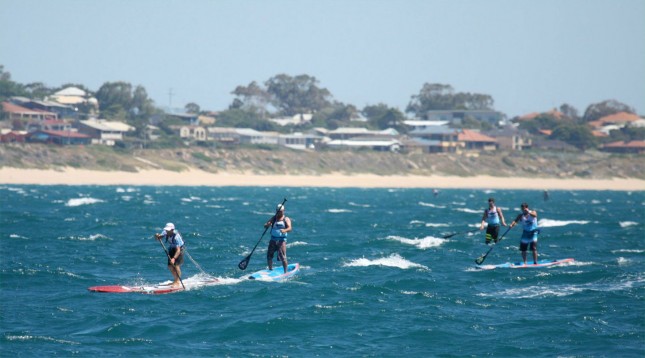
432, 205
556, 223
82, 201
623, 261
624, 224
297, 243
394, 260
338, 211
470, 211
16, 236
359, 205
423, 243
436, 225
631, 251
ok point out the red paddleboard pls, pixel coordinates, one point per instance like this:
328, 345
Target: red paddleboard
155, 289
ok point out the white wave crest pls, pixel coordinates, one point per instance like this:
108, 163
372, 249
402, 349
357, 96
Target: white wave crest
359, 205
16, 236
394, 260
432, 205
624, 224
338, 211
436, 225
556, 223
423, 243
470, 211
82, 201
297, 243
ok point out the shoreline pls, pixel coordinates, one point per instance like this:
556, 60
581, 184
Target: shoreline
72, 176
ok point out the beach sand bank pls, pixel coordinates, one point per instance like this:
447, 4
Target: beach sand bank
72, 176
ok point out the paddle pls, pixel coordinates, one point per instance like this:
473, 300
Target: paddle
245, 262
480, 259
459, 233
173, 266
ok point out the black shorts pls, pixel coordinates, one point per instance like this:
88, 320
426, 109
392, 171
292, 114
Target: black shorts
280, 246
179, 260
493, 230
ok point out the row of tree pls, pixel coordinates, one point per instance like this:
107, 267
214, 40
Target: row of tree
284, 95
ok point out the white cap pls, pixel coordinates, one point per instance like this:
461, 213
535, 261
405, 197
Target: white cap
280, 207
169, 226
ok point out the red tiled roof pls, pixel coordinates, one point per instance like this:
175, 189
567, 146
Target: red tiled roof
630, 144
546, 132
620, 117
471, 136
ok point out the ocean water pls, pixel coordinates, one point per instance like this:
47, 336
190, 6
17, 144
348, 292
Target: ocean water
377, 276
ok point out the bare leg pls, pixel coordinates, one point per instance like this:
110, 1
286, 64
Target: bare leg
524, 257
270, 263
535, 256
176, 274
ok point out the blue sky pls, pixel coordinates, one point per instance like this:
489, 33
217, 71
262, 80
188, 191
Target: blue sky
529, 56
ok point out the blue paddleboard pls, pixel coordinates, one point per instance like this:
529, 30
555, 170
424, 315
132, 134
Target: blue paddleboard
277, 274
530, 264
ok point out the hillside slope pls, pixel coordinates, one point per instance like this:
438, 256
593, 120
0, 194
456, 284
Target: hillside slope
592, 165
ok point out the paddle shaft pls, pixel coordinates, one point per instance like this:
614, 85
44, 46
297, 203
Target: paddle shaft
480, 260
245, 262
173, 265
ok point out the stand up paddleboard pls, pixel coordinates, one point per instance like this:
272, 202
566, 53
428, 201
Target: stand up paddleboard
160, 288
277, 274
519, 265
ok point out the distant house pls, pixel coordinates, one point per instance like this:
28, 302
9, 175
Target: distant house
614, 121
476, 141
343, 133
62, 110
197, 133
49, 124
11, 136
191, 119
421, 145
634, 146
59, 137
299, 140
373, 143
103, 131
448, 138
224, 135
511, 138
17, 112
230, 135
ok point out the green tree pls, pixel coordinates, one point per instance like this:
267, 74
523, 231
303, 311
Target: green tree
239, 118
436, 96
9, 88
119, 100
192, 107
299, 94
252, 97
598, 110
382, 117
578, 135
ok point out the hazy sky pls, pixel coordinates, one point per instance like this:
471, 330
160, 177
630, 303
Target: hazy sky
528, 55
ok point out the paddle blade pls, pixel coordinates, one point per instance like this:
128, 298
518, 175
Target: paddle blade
244, 263
480, 259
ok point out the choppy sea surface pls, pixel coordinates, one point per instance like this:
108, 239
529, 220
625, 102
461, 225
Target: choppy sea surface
377, 277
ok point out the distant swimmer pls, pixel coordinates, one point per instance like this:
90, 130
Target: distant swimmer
546, 195
435, 192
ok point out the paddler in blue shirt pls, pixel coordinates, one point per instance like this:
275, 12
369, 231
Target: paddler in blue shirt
280, 226
175, 252
528, 219
493, 216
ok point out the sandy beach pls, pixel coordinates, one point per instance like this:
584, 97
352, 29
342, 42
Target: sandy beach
72, 176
